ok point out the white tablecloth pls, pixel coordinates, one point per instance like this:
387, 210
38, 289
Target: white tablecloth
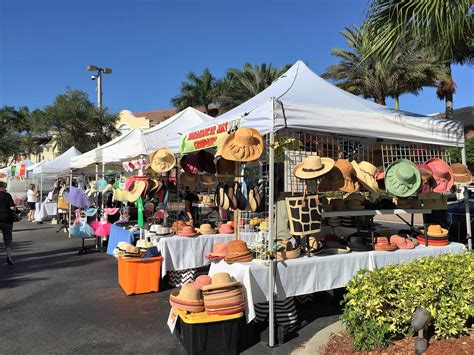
44, 210
318, 273
182, 253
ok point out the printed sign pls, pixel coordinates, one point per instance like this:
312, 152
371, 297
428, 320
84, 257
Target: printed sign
206, 137
172, 319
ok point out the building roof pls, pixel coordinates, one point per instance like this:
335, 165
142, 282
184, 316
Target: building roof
158, 116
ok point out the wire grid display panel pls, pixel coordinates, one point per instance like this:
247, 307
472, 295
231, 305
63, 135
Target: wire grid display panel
256, 173
321, 144
387, 153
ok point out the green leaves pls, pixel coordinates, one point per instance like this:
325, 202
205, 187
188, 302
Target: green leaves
379, 304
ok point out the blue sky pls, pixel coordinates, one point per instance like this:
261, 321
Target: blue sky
46, 45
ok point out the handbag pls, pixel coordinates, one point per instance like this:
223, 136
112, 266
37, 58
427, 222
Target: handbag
16, 216
303, 214
62, 203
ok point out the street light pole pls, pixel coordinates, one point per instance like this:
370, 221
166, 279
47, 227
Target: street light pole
98, 76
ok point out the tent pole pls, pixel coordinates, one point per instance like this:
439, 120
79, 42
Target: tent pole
70, 212
466, 203
271, 239
41, 187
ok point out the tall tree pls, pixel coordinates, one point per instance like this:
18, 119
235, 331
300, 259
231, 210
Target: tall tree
409, 69
77, 122
197, 91
447, 26
243, 84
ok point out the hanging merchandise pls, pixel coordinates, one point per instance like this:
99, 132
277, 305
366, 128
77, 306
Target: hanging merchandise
365, 173
245, 145
206, 162
312, 167
442, 174
124, 215
103, 229
427, 181
208, 180
188, 179
190, 164
136, 190
342, 177
120, 195
101, 184
225, 167
402, 178
162, 161
139, 205
77, 198
81, 229
461, 174
303, 214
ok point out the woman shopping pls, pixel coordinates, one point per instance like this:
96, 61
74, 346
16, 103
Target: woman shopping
32, 198
7, 207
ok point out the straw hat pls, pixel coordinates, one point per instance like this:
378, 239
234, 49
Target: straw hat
219, 143
162, 161
201, 281
221, 280
442, 174
225, 167
312, 167
289, 251
402, 178
208, 179
219, 250
206, 229
365, 173
353, 205
436, 231
190, 163
208, 200
226, 229
206, 162
188, 298
245, 144
187, 231
342, 177
188, 179
461, 174
144, 244
178, 225
427, 181
237, 251
136, 190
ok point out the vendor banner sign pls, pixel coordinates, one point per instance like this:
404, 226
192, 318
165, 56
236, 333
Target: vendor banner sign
207, 137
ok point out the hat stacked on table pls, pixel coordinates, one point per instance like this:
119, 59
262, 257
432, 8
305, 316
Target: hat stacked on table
187, 298
224, 295
237, 251
437, 236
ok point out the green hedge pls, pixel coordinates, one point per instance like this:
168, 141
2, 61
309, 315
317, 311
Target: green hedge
379, 304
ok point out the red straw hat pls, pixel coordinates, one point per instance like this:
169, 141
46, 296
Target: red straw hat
187, 231
442, 174
226, 229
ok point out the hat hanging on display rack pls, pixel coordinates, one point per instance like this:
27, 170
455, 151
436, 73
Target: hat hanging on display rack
461, 174
136, 190
206, 229
208, 179
402, 178
341, 177
244, 145
365, 173
190, 163
225, 167
188, 179
427, 181
187, 231
220, 140
162, 161
312, 167
442, 174
206, 162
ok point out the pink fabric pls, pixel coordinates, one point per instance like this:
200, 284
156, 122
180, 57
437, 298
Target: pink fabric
103, 230
94, 224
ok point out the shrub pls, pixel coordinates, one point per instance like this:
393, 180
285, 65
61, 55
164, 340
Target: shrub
379, 304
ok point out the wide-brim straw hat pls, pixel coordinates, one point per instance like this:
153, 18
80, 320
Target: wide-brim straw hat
402, 178
427, 180
162, 161
136, 190
187, 298
206, 229
244, 145
461, 174
442, 174
219, 143
365, 173
219, 250
221, 280
226, 229
312, 167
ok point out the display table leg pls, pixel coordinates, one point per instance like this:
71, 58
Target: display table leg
425, 231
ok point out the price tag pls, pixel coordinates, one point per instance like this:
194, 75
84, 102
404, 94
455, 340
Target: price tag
172, 319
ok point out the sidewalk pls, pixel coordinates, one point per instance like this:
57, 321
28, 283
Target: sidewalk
319, 340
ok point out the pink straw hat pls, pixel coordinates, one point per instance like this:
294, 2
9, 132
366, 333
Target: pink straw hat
219, 250
187, 231
226, 229
442, 174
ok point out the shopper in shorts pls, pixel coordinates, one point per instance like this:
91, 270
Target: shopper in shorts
32, 198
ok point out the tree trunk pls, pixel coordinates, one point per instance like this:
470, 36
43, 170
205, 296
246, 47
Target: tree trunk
449, 99
206, 109
380, 100
397, 103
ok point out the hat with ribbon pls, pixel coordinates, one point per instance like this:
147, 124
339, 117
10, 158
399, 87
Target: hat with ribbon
402, 178
136, 190
442, 174
365, 173
341, 177
162, 161
461, 174
312, 167
244, 145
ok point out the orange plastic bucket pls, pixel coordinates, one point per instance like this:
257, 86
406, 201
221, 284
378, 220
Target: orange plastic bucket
137, 276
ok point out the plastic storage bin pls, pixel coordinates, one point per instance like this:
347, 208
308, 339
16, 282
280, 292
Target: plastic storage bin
137, 276
215, 337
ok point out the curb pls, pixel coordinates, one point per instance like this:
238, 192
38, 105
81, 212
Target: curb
319, 339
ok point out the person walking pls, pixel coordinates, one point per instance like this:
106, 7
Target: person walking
7, 207
32, 198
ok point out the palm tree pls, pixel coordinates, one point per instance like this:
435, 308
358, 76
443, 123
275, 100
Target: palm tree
197, 91
241, 85
408, 70
447, 26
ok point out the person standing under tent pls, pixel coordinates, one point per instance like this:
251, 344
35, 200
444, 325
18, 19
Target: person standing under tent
7, 207
32, 198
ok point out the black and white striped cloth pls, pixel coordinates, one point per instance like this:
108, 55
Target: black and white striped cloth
285, 312
180, 277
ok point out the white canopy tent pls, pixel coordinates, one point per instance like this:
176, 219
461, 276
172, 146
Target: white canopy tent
157, 137
127, 146
51, 169
300, 99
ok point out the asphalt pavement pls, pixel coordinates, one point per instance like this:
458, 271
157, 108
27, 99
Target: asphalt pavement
56, 301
